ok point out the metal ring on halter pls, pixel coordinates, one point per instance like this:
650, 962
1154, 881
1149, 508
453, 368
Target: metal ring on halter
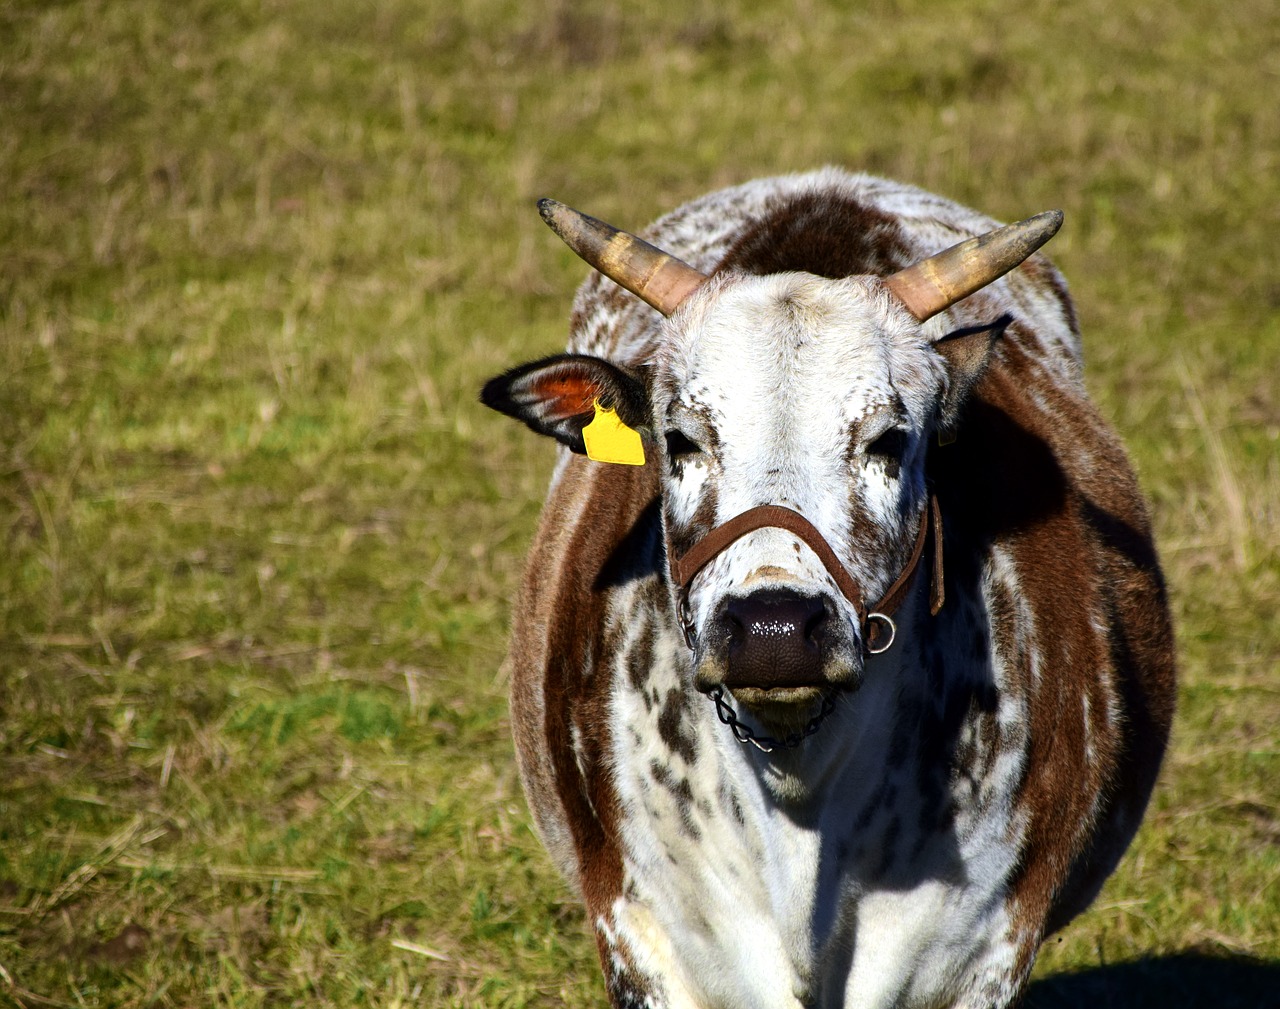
893, 632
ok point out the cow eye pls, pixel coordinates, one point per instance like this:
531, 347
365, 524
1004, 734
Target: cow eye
679, 446
889, 446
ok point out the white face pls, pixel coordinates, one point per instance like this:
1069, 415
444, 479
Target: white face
804, 392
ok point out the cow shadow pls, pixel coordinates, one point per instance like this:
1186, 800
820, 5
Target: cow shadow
1186, 980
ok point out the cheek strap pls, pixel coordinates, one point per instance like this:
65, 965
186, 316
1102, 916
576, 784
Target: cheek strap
874, 624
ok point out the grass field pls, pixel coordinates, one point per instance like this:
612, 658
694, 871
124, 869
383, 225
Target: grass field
256, 257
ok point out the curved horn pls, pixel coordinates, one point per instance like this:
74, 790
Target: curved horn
649, 273
940, 281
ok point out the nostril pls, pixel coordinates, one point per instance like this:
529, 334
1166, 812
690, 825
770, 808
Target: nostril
735, 630
816, 623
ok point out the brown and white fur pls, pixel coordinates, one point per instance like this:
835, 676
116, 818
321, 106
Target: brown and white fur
976, 782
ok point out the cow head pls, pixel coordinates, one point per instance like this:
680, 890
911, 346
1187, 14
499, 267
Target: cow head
816, 395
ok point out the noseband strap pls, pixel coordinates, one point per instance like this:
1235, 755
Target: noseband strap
685, 568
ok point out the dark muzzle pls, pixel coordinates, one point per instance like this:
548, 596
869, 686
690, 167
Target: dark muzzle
774, 638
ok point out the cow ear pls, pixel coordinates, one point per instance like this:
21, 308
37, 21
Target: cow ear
967, 353
557, 395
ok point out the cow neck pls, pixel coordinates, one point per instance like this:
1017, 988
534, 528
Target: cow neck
874, 622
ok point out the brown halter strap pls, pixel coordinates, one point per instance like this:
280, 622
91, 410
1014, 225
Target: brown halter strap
685, 568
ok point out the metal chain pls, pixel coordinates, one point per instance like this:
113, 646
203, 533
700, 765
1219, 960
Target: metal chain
767, 744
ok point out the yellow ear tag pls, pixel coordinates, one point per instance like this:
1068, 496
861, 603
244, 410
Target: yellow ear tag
610, 440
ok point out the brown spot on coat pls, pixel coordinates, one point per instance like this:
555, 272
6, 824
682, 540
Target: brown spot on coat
673, 729
826, 234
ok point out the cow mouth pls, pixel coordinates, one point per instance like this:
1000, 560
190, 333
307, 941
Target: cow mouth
775, 701
780, 707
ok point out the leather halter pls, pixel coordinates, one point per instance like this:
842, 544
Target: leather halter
871, 622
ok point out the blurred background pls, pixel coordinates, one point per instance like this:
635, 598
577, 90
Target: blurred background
258, 539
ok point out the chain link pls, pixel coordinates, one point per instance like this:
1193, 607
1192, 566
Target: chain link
767, 744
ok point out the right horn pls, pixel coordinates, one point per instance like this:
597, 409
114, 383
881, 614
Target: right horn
647, 272
940, 281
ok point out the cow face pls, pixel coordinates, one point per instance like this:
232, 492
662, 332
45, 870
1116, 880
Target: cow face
785, 390
816, 395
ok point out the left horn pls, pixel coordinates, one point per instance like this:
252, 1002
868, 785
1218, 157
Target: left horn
940, 281
647, 272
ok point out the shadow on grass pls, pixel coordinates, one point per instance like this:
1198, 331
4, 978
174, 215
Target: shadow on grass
1186, 980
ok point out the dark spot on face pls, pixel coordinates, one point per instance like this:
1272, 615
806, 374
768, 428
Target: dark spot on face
682, 536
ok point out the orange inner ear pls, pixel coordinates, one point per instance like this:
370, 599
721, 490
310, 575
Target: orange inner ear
566, 394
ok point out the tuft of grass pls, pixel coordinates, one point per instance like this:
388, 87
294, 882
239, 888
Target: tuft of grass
259, 538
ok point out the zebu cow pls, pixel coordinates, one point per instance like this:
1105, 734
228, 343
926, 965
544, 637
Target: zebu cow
856, 689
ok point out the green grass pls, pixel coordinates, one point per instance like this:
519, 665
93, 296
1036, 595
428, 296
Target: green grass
259, 539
